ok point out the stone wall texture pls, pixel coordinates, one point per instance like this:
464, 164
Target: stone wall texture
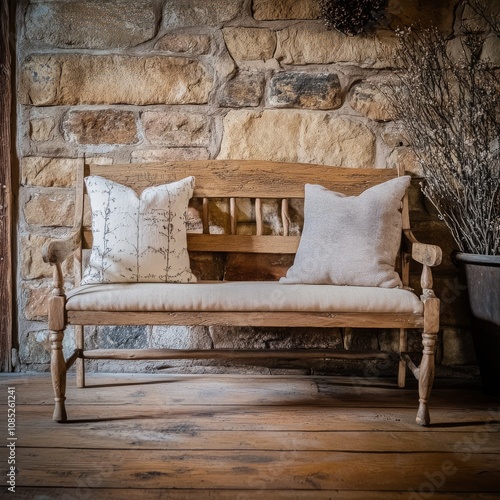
123, 81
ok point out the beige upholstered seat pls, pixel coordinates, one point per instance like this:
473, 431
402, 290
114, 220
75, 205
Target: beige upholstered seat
241, 296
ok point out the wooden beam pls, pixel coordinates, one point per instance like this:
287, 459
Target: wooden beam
245, 318
74, 356
245, 178
6, 308
238, 243
243, 243
150, 354
411, 365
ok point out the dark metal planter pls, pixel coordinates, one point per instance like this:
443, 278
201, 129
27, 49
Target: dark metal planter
483, 282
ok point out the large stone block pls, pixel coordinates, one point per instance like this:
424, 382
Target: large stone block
51, 80
42, 129
245, 89
163, 128
35, 301
106, 126
285, 9
92, 24
250, 44
269, 338
182, 13
34, 348
298, 45
185, 43
368, 100
55, 208
292, 135
180, 337
305, 90
49, 172
122, 337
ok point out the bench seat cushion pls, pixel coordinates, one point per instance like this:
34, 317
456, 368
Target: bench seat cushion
241, 296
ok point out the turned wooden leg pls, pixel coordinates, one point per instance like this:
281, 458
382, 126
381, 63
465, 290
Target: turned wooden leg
80, 362
57, 362
426, 377
429, 338
58, 370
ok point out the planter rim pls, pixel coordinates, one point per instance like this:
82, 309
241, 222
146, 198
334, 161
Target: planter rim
478, 259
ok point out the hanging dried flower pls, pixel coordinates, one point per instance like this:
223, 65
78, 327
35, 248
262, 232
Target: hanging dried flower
352, 17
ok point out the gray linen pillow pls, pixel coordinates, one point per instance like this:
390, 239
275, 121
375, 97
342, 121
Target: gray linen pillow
350, 240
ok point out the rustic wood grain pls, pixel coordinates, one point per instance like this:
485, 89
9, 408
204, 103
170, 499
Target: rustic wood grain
232, 354
270, 469
246, 494
232, 437
243, 318
243, 243
6, 291
291, 414
245, 178
236, 243
155, 433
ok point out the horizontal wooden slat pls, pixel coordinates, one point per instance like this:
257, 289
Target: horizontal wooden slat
243, 243
245, 178
242, 318
231, 354
240, 243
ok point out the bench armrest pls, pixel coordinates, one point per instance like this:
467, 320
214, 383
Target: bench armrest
429, 255
55, 252
58, 250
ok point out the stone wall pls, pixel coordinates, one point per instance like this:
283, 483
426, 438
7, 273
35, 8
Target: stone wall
124, 81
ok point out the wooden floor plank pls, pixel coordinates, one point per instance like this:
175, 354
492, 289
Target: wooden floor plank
246, 494
308, 470
264, 437
140, 435
257, 428
268, 418
223, 389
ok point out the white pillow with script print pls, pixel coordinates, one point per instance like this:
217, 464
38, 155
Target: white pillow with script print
138, 238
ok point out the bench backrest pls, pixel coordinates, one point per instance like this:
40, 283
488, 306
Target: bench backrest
231, 180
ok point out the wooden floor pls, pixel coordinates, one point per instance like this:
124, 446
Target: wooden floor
243, 437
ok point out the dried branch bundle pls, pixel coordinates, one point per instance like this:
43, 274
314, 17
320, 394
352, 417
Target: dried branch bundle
449, 105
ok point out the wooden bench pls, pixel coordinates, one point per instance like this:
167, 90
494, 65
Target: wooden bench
230, 180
